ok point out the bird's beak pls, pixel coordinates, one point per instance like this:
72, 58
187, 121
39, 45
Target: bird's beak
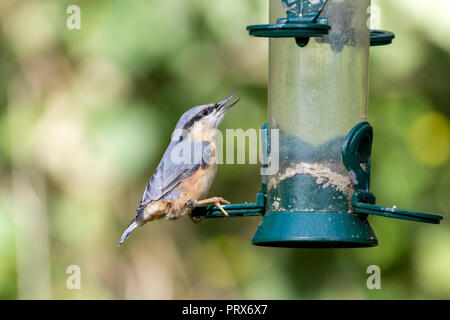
222, 107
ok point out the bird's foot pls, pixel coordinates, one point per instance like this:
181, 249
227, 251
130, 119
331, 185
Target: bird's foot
218, 201
222, 209
213, 200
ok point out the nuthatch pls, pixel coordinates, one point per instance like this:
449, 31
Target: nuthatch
180, 185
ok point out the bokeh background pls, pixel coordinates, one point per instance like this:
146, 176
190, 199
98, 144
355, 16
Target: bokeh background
85, 116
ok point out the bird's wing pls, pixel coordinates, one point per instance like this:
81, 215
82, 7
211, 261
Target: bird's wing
180, 160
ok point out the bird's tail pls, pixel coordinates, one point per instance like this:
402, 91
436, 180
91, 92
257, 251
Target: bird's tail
133, 225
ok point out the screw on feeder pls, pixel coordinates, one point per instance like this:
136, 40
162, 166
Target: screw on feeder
300, 11
302, 22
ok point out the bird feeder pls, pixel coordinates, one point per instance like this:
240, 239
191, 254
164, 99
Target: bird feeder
318, 92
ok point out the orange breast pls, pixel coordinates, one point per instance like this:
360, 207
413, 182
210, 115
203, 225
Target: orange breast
195, 187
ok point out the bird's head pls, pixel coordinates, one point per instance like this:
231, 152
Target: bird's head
201, 121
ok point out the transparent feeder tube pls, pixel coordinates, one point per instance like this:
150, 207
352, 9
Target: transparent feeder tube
316, 95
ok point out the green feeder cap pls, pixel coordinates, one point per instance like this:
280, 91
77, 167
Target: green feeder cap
303, 22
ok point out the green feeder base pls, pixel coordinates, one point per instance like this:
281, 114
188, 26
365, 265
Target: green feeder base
314, 230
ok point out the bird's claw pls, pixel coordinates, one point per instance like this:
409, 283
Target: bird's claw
218, 201
221, 208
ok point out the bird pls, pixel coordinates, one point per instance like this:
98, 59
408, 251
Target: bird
187, 169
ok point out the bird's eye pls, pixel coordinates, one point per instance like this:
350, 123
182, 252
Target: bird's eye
205, 112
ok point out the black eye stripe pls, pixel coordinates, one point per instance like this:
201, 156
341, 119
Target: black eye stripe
198, 117
209, 110
192, 121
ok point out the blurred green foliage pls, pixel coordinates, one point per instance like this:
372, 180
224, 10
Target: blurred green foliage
85, 116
